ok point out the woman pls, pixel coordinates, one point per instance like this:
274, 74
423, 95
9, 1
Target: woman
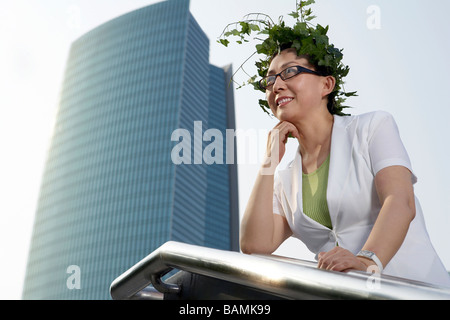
348, 194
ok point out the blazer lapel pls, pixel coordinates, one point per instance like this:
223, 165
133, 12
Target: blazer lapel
291, 179
342, 138
340, 161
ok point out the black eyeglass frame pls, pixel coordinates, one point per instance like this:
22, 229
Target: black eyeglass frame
300, 70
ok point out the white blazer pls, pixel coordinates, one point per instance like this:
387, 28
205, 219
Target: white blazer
361, 146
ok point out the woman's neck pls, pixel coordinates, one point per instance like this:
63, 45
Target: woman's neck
315, 139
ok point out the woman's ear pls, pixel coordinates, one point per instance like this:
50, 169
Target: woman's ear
329, 84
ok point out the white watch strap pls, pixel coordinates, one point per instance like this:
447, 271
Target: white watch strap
372, 256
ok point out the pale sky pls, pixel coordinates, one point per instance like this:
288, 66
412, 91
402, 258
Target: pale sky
397, 52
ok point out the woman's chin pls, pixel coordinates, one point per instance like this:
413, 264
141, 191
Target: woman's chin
284, 116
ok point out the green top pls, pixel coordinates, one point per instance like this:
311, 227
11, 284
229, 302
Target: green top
314, 189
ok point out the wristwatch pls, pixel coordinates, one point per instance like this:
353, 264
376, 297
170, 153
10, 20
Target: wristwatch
372, 256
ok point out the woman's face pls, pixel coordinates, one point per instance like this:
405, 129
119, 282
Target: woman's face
293, 98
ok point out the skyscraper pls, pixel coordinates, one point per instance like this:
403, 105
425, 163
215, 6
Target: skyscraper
110, 192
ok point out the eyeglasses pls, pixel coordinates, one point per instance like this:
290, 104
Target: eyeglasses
287, 73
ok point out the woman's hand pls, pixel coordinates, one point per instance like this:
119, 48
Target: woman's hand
276, 141
340, 259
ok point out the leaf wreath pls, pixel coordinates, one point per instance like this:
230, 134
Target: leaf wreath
308, 39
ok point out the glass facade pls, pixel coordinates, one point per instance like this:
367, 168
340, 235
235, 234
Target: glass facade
110, 192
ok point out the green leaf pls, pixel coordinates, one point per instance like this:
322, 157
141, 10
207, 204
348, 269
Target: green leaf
264, 106
306, 3
294, 14
296, 44
351, 94
245, 28
254, 27
321, 29
224, 42
303, 36
321, 39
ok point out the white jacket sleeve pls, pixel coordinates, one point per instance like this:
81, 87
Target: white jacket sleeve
385, 145
277, 208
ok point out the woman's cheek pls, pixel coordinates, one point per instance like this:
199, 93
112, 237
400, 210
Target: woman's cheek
271, 101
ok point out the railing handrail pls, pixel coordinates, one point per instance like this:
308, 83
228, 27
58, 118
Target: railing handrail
279, 276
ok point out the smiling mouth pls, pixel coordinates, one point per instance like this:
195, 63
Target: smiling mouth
283, 101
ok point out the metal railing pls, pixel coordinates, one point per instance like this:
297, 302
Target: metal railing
281, 277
